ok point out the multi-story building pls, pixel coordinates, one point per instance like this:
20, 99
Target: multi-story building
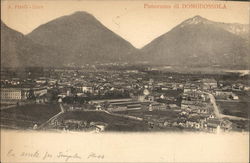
209, 84
18, 94
12, 94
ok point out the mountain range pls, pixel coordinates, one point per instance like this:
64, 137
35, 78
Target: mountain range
200, 42
80, 38
19, 51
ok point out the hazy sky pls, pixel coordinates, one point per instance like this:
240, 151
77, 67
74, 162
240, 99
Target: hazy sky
133, 21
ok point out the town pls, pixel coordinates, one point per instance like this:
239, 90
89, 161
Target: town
123, 97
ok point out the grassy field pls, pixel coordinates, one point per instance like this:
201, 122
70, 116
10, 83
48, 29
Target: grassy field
240, 109
239, 125
114, 123
244, 96
26, 116
168, 114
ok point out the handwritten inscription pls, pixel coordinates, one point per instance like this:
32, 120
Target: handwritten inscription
35, 154
65, 156
11, 153
94, 155
47, 155
68, 157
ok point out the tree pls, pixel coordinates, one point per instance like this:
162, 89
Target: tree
31, 95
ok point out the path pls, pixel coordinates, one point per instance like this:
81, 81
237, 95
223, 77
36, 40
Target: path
53, 118
217, 112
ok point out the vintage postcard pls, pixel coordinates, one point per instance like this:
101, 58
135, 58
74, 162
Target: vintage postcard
125, 81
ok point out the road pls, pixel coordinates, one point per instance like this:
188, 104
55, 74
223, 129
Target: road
217, 111
53, 118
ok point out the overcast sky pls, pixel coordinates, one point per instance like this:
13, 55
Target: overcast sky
131, 20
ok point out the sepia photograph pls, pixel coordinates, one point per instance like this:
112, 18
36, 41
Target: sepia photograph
134, 81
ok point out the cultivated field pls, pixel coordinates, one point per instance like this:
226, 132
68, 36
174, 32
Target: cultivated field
28, 115
240, 109
115, 123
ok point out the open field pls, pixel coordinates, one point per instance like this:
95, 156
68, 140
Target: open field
168, 114
28, 115
244, 96
115, 123
240, 109
240, 125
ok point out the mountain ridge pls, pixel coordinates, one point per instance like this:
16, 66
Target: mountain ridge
198, 41
79, 38
18, 51
87, 39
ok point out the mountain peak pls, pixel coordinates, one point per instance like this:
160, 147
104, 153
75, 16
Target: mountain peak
196, 20
80, 13
80, 38
197, 17
198, 41
77, 17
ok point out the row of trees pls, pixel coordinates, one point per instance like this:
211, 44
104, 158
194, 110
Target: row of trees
89, 97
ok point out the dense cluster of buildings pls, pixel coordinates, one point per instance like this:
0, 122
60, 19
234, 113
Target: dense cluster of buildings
118, 91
